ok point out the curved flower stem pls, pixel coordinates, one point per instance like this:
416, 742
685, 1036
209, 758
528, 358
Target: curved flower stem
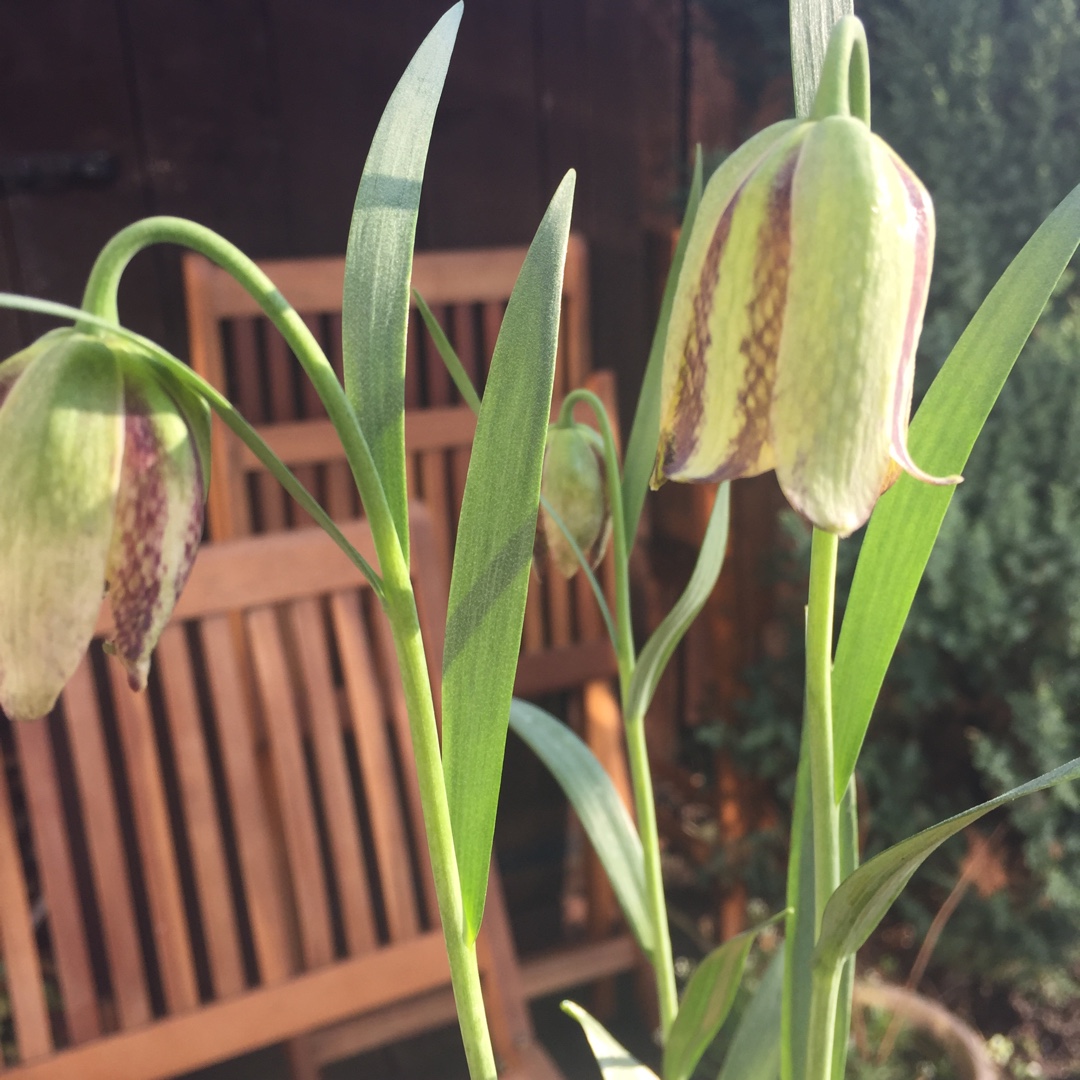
824, 809
844, 89
637, 748
100, 299
397, 593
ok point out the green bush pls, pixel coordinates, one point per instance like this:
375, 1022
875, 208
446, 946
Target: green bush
982, 98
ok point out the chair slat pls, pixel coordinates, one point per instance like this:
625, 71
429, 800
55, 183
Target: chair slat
108, 863
278, 709
196, 788
376, 767
324, 720
153, 830
52, 849
22, 967
256, 846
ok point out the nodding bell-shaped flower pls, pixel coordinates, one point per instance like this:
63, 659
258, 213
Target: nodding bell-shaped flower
103, 472
792, 338
573, 488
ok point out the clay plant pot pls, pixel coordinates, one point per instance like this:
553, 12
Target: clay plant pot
963, 1046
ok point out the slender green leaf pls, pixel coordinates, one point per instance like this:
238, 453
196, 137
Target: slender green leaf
645, 431
905, 524
811, 21
862, 899
615, 1061
378, 262
754, 1053
659, 647
849, 860
449, 357
597, 804
706, 1003
494, 550
799, 926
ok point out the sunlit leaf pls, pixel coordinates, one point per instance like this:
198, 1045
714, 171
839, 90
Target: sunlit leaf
706, 1003
862, 899
645, 431
754, 1053
378, 262
658, 649
615, 1061
494, 548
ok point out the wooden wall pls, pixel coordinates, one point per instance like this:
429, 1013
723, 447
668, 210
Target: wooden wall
254, 117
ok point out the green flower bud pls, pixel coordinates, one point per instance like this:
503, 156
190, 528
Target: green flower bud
798, 309
103, 473
573, 486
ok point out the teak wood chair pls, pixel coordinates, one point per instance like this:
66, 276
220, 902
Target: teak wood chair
235, 857
564, 647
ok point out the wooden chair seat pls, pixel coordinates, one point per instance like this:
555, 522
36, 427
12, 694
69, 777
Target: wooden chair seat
235, 857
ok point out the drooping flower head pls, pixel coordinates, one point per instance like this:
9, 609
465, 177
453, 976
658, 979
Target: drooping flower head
792, 338
104, 465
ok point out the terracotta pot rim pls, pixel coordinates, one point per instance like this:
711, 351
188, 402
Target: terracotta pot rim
961, 1042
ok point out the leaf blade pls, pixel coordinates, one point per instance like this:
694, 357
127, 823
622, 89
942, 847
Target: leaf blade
494, 547
615, 1061
706, 1003
597, 804
658, 649
754, 1053
862, 899
378, 262
645, 430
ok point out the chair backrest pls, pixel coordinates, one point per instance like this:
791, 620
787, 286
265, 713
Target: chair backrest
234, 346
242, 842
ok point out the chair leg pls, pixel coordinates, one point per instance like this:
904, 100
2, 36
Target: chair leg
302, 1061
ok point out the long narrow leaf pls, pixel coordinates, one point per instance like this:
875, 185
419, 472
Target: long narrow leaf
754, 1053
799, 927
659, 647
862, 899
849, 860
811, 21
450, 358
615, 1061
905, 523
597, 804
706, 1003
378, 262
645, 431
494, 550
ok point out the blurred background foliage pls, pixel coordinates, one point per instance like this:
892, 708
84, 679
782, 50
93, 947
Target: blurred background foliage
982, 99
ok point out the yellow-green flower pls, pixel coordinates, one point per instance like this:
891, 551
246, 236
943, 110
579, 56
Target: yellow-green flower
798, 309
574, 497
103, 472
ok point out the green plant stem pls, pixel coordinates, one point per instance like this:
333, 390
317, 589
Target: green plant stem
464, 971
825, 813
662, 960
397, 595
637, 747
824, 993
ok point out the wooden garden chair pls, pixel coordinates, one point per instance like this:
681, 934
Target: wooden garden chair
235, 857
565, 646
